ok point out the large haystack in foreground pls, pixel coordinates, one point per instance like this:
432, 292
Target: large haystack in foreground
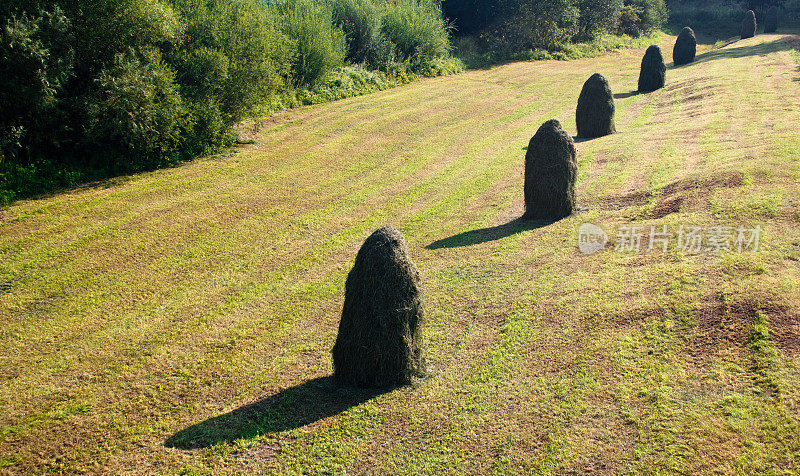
749, 25
685, 48
594, 115
380, 335
550, 172
771, 20
653, 74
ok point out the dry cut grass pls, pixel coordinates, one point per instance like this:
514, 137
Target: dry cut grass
181, 321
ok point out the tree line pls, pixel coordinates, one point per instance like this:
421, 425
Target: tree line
530, 24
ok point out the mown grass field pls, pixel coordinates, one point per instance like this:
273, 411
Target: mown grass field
181, 321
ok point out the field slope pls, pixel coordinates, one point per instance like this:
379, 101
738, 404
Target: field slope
181, 321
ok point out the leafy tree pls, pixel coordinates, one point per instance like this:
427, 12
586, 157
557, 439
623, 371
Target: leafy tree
539, 23
417, 28
320, 45
596, 17
37, 64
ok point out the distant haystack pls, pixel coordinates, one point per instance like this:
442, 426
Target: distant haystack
594, 115
771, 20
749, 25
653, 74
380, 335
685, 47
550, 171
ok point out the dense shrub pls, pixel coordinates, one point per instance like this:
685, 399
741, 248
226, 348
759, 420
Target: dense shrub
511, 29
642, 16
630, 19
717, 17
36, 67
108, 86
542, 24
361, 22
320, 45
233, 56
417, 29
596, 17
471, 17
791, 8
654, 14
138, 112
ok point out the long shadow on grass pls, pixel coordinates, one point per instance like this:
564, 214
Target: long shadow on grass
289, 409
483, 235
625, 95
761, 49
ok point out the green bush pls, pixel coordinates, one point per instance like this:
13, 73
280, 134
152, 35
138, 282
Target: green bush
320, 45
108, 86
539, 23
361, 22
642, 16
233, 58
418, 29
105, 28
596, 17
37, 64
139, 112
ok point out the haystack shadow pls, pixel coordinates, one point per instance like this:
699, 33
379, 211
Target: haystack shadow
292, 408
625, 95
761, 49
484, 235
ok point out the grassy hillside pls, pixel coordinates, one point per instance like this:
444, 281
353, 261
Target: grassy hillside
181, 321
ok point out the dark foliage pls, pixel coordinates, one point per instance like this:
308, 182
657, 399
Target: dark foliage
653, 74
417, 29
749, 25
596, 17
685, 47
642, 16
380, 335
97, 88
507, 26
594, 115
472, 16
771, 20
361, 22
550, 172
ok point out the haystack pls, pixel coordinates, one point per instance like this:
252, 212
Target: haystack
749, 25
653, 74
685, 47
550, 171
380, 335
594, 115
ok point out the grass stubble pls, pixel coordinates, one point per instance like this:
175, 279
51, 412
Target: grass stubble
133, 309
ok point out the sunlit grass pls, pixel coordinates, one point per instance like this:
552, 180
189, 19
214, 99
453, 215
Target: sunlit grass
134, 309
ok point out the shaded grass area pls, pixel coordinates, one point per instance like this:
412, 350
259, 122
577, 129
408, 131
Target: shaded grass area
492, 233
181, 321
292, 408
